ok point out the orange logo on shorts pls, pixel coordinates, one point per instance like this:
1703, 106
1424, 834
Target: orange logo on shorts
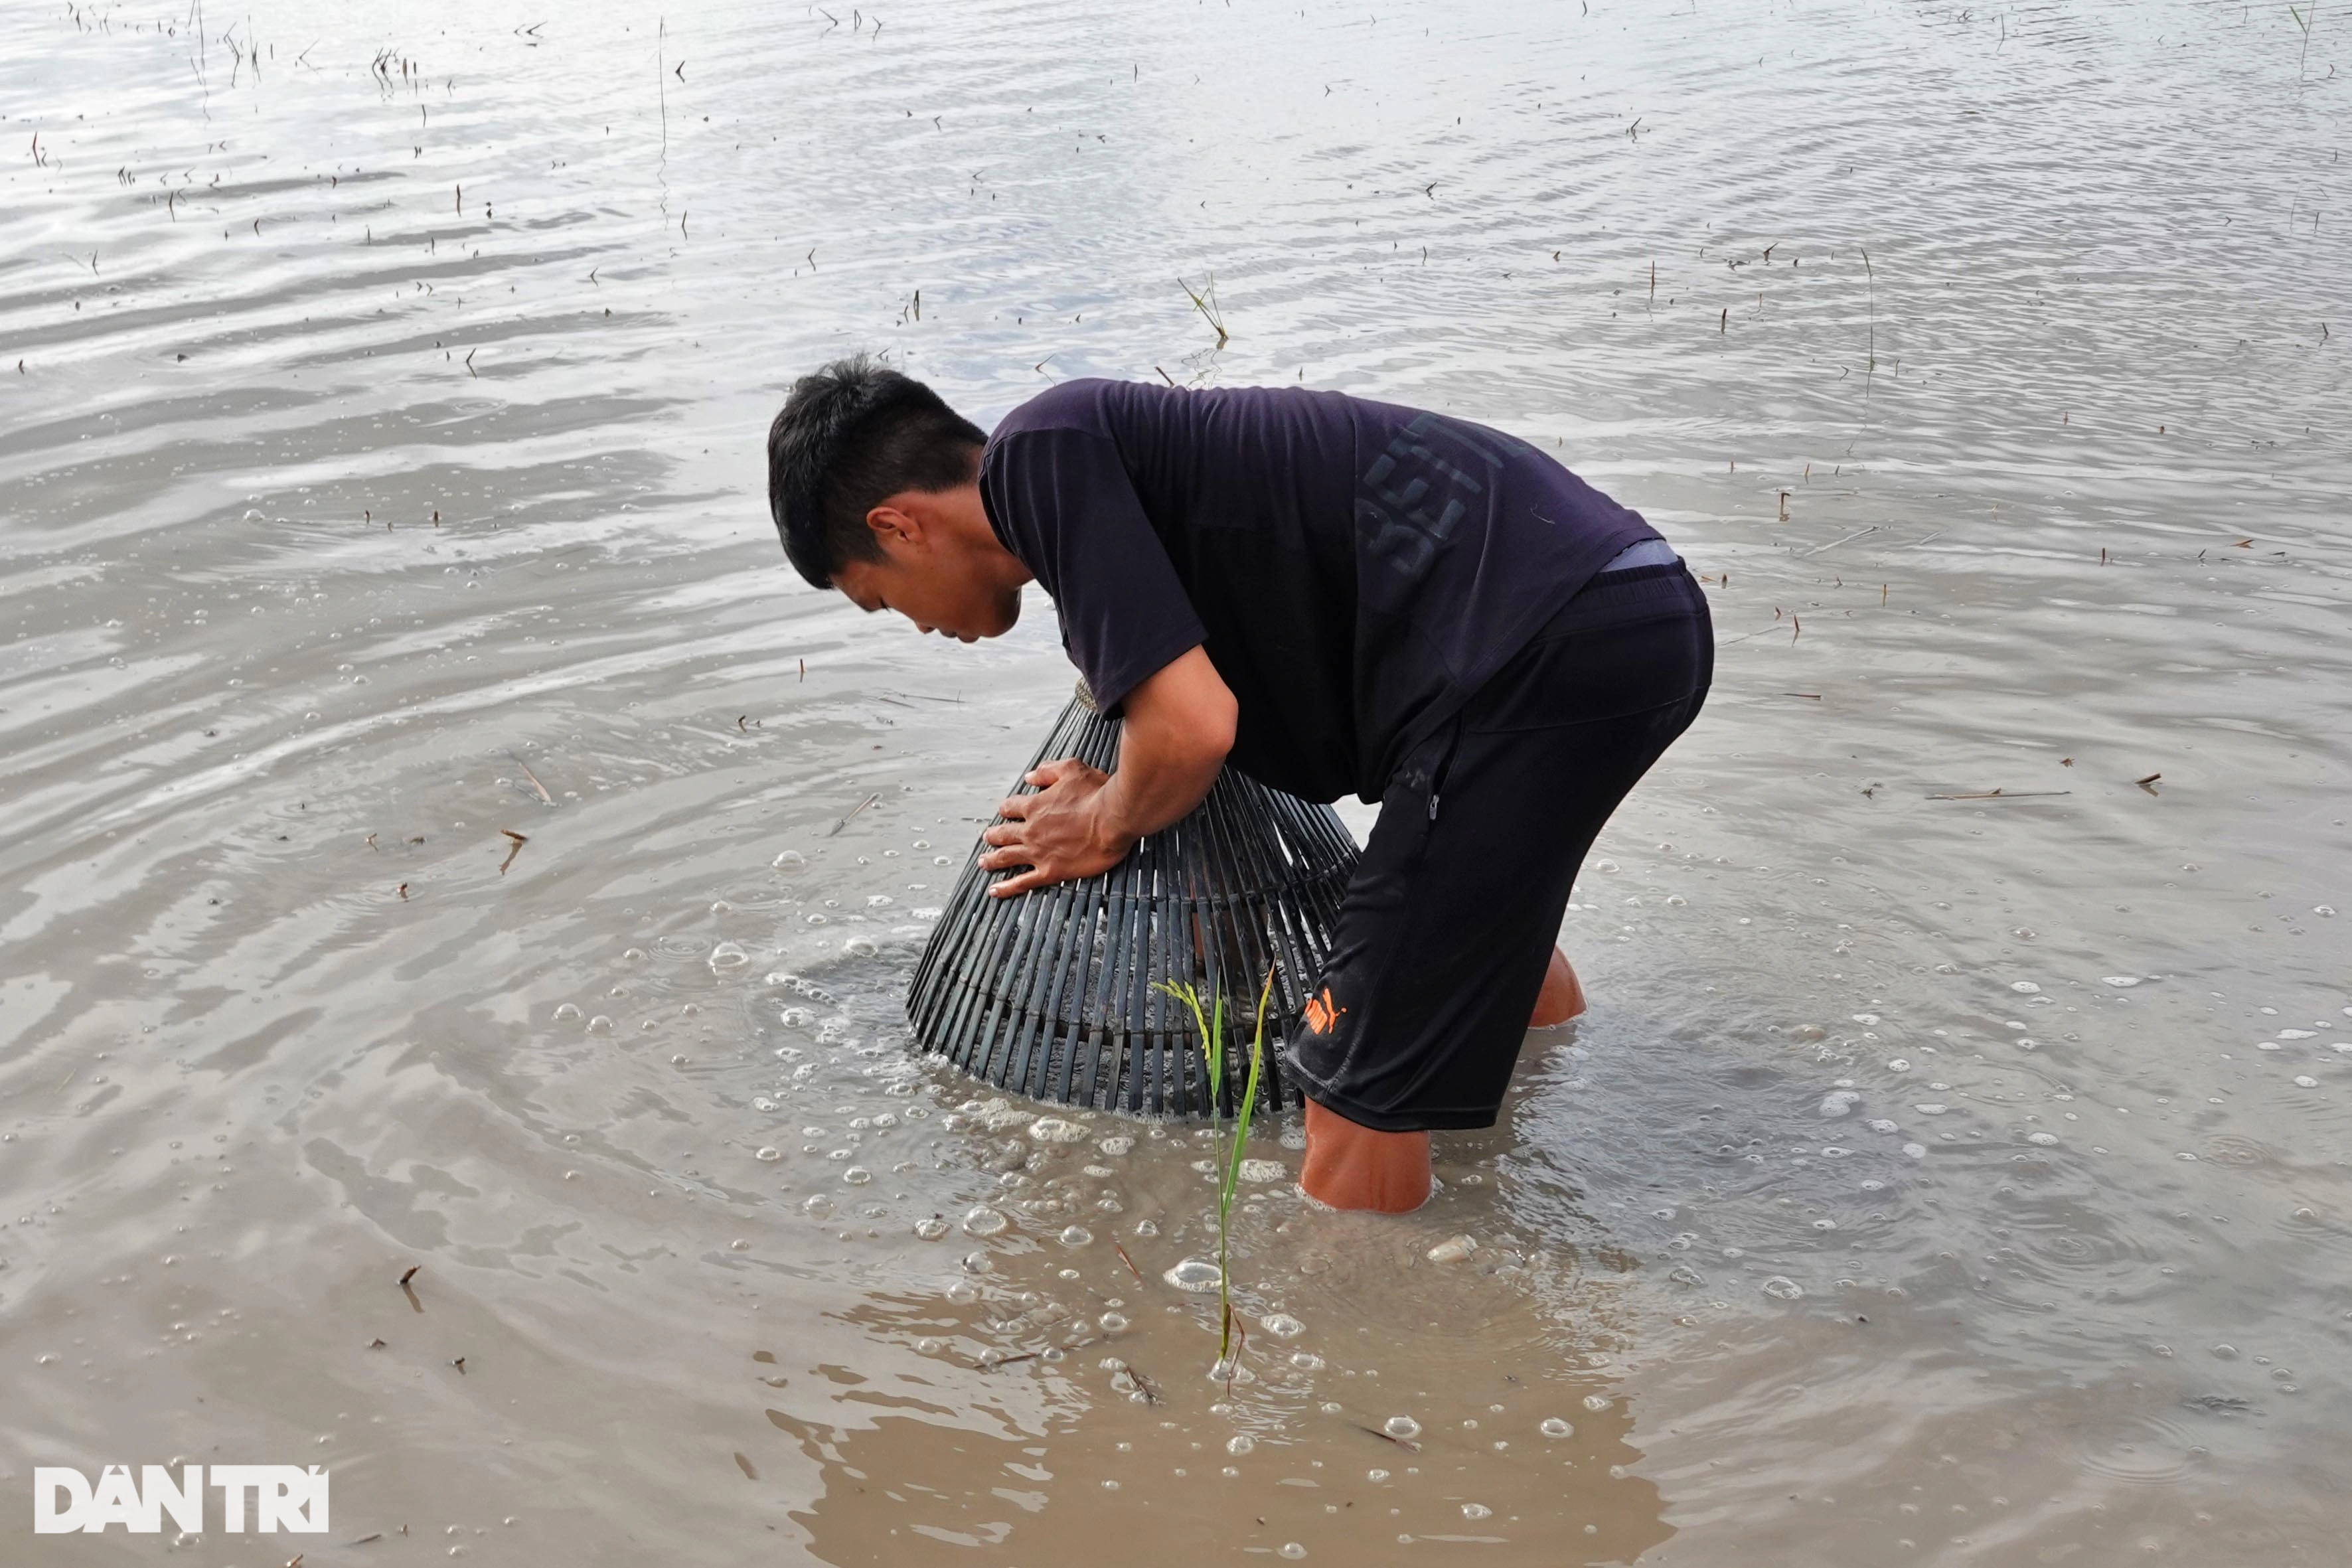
1322, 1012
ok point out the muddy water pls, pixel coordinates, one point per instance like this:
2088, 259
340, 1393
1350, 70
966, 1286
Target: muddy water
1937, 1178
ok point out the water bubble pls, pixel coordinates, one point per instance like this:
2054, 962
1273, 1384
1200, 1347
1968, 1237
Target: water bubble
2225, 1352
1077, 1236
2044, 1139
1263, 1171
1113, 1148
1477, 1511
1055, 1130
2025, 986
1780, 1288
1841, 1103
1239, 1443
1112, 1323
1898, 1064
1553, 1427
984, 1221
1306, 1361
600, 1025
863, 946
1453, 1249
1376, 1477
729, 955
770, 1153
1291, 1549
787, 859
2120, 980
1596, 1403
1195, 1275
565, 1012
931, 1229
1403, 1428
1282, 1325
1000, 1116
819, 1205
2305, 1081
857, 1176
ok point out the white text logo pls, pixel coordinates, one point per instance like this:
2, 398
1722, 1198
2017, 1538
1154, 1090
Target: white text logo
284, 1498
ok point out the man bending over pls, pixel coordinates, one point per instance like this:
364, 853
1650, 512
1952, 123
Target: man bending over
1333, 595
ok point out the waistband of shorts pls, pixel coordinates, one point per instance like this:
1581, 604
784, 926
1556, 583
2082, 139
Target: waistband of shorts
1634, 586
1645, 553
1640, 593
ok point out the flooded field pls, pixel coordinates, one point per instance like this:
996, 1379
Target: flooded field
438, 831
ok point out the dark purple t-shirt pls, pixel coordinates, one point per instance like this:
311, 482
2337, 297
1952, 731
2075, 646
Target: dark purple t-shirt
1355, 569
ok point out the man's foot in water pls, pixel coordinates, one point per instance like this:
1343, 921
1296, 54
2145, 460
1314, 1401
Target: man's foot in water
1562, 997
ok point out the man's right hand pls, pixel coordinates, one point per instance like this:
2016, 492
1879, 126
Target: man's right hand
1058, 833
1178, 726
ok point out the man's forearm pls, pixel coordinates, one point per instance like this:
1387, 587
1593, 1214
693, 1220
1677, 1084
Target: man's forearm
1180, 725
1153, 786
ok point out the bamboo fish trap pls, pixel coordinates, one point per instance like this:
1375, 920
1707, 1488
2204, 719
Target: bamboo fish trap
1054, 994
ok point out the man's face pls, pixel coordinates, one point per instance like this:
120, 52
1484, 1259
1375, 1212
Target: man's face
935, 588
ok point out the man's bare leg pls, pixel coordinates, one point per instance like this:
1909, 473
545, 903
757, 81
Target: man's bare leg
1351, 1166
1562, 997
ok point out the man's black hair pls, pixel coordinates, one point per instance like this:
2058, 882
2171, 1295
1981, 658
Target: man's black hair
850, 436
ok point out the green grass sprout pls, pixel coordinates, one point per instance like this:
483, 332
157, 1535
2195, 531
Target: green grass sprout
1209, 1025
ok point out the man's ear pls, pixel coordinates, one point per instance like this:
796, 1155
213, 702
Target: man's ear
895, 527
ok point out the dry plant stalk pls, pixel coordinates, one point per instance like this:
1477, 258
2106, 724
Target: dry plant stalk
1205, 301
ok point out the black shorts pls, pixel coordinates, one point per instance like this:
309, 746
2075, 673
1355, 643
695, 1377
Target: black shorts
1447, 927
